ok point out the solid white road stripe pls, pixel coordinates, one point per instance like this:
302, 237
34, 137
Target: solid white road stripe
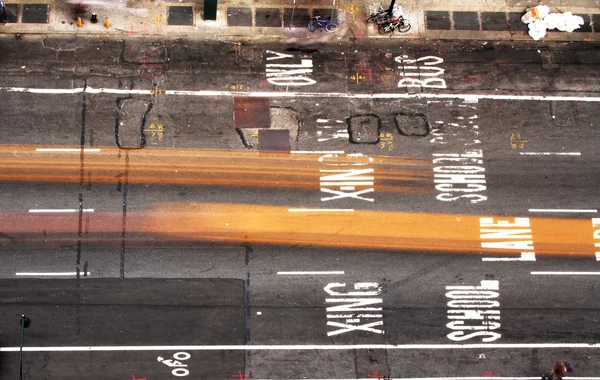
525, 256
317, 152
306, 347
550, 153
570, 273
482, 377
561, 210
321, 210
280, 94
48, 210
48, 273
313, 272
67, 150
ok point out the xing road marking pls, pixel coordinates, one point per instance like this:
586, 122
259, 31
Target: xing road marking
560, 210
47, 210
76, 150
321, 210
305, 347
277, 94
48, 273
569, 273
312, 272
550, 153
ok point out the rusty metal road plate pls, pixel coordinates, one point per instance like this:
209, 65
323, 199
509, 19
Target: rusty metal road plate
251, 112
277, 140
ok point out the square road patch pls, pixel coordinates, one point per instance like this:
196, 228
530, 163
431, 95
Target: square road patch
277, 140
268, 17
437, 20
35, 13
180, 15
239, 16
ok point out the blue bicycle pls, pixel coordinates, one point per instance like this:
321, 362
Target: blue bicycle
318, 22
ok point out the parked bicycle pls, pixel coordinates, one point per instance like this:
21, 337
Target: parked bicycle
317, 22
379, 16
400, 23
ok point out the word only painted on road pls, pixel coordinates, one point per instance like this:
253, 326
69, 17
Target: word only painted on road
474, 311
351, 177
354, 310
288, 74
510, 235
422, 72
460, 176
596, 227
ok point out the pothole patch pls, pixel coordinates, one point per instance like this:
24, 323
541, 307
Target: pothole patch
412, 124
129, 130
364, 129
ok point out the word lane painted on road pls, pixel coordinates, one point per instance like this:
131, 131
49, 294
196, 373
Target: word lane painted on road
474, 312
422, 72
356, 310
346, 176
286, 73
596, 235
504, 234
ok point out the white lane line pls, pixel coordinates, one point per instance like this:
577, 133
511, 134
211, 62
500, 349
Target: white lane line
281, 94
50, 273
306, 347
550, 153
67, 150
317, 152
561, 210
63, 210
569, 273
312, 272
320, 210
525, 256
482, 377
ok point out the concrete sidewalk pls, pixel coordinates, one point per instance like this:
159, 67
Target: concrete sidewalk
287, 19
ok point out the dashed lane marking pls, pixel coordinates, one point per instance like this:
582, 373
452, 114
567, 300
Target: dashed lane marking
67, 150
312, 272
49, 210
57, 274
550, 153
561, 210
277, 94
306, 347
568, 273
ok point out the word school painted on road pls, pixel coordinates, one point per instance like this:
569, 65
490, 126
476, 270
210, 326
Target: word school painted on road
474, 312
354, 308
288, 74
421, 72
351, 178
460, 176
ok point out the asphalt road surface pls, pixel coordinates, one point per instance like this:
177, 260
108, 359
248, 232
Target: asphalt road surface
219, 210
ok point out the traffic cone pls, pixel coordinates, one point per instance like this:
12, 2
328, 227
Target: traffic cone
79, 22
106, 23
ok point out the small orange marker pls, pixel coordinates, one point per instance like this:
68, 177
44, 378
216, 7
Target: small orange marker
106, 22
79, 22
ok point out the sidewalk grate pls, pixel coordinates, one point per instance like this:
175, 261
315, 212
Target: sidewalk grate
180, 15
268, 17
586, 27
241, 16
300, 20
515, 24
35, 14
12, 14
596, 22
466, 20
494, 21
326, 13
437, 20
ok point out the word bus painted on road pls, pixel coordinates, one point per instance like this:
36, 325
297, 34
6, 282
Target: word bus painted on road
421, 72
288, 74
346, 177
474, 312
354, 310
460, 176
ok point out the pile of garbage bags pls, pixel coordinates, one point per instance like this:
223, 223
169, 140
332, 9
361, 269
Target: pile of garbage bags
540, 20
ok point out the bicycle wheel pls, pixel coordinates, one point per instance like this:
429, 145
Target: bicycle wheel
331, 27
404, 26
312, 25
385, 28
